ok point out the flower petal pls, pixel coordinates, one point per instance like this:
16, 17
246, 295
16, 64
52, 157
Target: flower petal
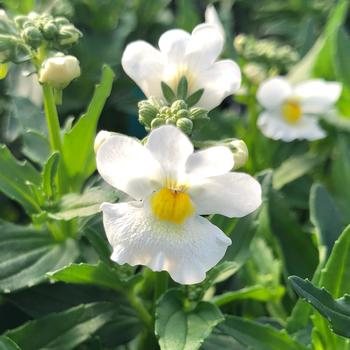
144, 64
212, 17
212, 161
171, 148
318, 96
222, 79
272, 125
173, 44
127, 165
185, 251
232, 195
273, 92
204, 46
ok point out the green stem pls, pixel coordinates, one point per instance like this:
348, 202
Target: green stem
143, 314
161, 284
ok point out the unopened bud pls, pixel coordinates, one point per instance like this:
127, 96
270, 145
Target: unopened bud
32, 36
198, 113
147, 112
178, 105
240, 152
101, 137
240, 42
68, 35
185, 124
50, 30
182, 113
59, 71
157, 122
171, 121
61, 21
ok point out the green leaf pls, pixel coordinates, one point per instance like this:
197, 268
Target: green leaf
49, 173
64, 330
293, 168
80, 205
98, 275
341, 56
325, 216
7, 344
181, 329
36, 146
194, 98
168, 93
27, 254
14, 176
100, 244
182, 88
257, 336
78, 142
337, 311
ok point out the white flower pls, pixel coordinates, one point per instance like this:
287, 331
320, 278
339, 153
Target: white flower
59, 71
171, 187
212, 17
291, 111
183, 54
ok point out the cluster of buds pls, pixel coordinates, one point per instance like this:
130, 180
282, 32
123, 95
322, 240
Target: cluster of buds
154, 113
57, 32
266, 53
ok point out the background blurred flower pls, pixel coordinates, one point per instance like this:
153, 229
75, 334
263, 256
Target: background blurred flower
291, 111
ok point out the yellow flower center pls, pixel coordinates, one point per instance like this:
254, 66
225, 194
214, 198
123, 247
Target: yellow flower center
171, 205
291, 111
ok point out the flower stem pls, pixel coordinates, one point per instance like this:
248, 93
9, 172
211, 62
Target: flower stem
143, 314
161, 284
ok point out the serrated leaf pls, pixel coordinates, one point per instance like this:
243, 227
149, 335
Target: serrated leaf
256, 335
325, 216
80, 205
336, 311
8, 344
78, 142
13, 178
293, 168
49, 173
194, 98
98, 275
168, 93
64, 330
27, 254
182, 88
179, 329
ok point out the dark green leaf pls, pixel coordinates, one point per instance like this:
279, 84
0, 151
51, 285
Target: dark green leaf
27, 254
182, 88
337, 311
341, 56
13, 178
257, 336
49, 173
100, 244
194, 98
325, 216
78, 142
168, 93
8, 344
180, 329
36, 146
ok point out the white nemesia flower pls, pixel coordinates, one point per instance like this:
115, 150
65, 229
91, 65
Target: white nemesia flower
183, 54
59, 71
212, 17
291, 111
171, 187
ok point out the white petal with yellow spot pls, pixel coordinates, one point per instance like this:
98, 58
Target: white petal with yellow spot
171, 186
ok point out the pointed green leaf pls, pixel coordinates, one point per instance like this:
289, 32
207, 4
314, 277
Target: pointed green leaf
49, 173
13, 178
78, 142
341, 56
168, 93
337, 311
182, 88
8, 344
27, 254
194, 98
180, 329
257, 336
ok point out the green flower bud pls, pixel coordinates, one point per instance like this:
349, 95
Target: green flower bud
68, 35
171, 121
164, 110
185, 125
50, 30
20, 20
147, 112
32, 36
178, 105
157, 122
61, 21
198, 113
182, 113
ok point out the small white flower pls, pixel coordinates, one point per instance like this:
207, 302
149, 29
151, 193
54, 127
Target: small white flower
183, 54
212, 17
291, 111
171, 187
59, 71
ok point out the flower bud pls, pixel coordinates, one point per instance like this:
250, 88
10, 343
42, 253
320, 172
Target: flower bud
68, 35
185, 125
157, 122
59, 71
20, 20
61, 21
240, 152
182, 113
198, 113
101, 137
171, 121
147, 112
50, 30
32, 36
178, 105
